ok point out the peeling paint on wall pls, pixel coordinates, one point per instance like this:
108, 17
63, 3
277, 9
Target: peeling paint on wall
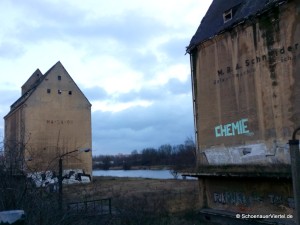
250, 154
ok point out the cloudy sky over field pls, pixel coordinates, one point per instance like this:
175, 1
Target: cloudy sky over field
128, 58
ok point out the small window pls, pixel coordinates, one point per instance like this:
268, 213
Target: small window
70, 92
59, 92
227, 15
58, 77
48, 91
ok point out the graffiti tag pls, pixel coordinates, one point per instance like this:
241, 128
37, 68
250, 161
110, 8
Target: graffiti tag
232, 129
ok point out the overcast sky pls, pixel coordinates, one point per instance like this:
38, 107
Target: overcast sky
128, 58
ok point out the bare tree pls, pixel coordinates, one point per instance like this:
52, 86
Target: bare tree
17, 191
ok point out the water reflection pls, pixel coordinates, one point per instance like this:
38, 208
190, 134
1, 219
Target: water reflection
155, 174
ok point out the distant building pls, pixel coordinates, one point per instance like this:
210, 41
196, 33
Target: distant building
245, 62
51, 117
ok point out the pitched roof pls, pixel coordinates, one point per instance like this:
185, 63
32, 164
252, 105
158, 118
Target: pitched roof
33, 87
213, 23
31, 81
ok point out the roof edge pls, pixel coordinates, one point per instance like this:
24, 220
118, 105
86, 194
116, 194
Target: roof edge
271, 4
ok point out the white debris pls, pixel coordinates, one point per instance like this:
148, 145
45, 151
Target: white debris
11, 216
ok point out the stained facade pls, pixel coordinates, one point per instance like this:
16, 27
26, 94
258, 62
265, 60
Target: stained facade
245, 61
245, 85
51, 118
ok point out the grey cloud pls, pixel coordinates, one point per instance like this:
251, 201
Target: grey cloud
174, 48
146, 62
168, 120
121, 141
95, 93
8, 97
134, 28
154, 93
147, 93
54, 21
177, 87
140, 127
49, 12
121, 37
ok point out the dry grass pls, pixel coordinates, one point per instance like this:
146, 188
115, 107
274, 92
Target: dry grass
137, 201
174, 195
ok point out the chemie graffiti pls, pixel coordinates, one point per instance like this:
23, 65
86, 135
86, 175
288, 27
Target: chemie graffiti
232, 129
239, 198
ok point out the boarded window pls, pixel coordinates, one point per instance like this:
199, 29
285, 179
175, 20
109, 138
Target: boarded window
227, 15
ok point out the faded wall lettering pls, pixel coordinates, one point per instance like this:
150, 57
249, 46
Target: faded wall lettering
239, 198
282, 55
275, 199
231, 198
59, 122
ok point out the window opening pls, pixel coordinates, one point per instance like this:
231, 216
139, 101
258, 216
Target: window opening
227, 15
59, 77
48, 91
59, 92
70, 92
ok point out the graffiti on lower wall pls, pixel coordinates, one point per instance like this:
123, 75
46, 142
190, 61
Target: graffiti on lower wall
240, 198
49, 179
232, 129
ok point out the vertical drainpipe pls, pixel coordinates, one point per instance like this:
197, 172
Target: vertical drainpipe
201, 180
295, 167
193, 83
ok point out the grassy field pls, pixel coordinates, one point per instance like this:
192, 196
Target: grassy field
142, 201
177, 195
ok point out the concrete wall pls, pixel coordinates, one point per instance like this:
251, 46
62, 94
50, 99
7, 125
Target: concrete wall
246, 90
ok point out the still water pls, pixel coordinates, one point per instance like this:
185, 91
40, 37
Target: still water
155, 174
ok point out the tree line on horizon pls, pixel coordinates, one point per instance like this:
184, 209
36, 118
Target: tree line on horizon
176, 157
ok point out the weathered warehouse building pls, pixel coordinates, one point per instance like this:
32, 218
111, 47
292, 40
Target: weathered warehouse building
51, 118
245, 63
